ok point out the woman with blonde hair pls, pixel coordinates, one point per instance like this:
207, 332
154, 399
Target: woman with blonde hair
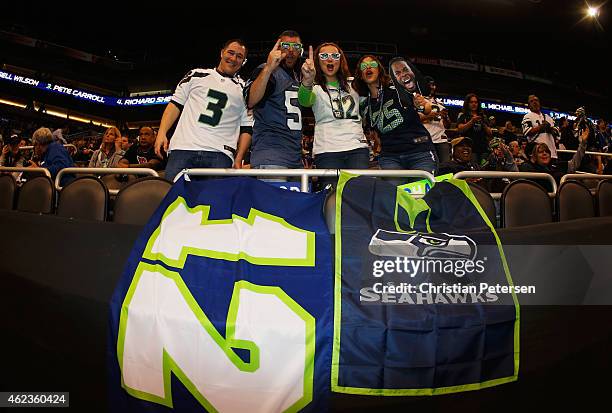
110, 152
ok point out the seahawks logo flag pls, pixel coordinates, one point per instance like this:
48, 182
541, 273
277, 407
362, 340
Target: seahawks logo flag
423, 294
225, 304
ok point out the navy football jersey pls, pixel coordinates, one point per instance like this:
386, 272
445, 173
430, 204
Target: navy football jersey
398, 125
277, 131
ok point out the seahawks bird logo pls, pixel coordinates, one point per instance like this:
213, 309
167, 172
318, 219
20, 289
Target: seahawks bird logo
420, 245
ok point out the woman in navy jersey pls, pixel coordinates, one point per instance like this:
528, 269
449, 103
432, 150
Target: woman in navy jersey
391, 110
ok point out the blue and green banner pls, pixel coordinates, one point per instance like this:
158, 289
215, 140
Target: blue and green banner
226, 303
422, 186
424, 304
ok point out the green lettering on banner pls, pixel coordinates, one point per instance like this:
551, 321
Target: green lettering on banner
146, 362
180, 211
164, 331
422, 186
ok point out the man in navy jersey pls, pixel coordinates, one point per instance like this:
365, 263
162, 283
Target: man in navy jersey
272, 93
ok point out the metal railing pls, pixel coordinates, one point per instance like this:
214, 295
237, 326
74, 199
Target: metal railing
579, 177
103, 171
587, 152
44, 171
84, 135
304, 174
29, 148
509, 175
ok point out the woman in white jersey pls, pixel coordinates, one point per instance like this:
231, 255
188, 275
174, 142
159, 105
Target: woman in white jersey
339, 141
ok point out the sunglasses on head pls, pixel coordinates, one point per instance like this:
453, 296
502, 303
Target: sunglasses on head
365, 65
292, 45
325, 56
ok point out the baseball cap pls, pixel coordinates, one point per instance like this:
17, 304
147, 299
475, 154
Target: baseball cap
460, 139
13, 139
495, 142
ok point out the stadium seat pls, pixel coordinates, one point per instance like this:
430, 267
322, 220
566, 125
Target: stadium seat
137, 201
574, 201
604, 198
114, 181
523, 203
486, 202
84, 198
36, 195
7, 191
590, 183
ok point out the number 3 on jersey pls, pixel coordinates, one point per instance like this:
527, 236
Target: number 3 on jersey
294, 116
214, 110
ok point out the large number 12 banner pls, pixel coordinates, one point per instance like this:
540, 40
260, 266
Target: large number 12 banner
225, 304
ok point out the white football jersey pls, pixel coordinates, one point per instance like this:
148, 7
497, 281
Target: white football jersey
213, 112
435, 127
533, 119
337, 121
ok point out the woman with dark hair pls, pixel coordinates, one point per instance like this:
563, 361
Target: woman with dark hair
370, 71
392, 111
339, 141
11, 155
472, 123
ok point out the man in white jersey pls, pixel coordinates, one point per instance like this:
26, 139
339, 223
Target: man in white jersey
212, 117
436, 122
539, 127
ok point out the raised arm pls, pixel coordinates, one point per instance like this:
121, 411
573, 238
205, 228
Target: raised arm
306, 96
509, 163
574, 163
257, 89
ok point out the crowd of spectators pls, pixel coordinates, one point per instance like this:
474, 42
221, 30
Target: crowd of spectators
25, 144
474, 141
415, 132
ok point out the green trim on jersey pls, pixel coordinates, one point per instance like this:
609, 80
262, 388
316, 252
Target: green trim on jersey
307, 97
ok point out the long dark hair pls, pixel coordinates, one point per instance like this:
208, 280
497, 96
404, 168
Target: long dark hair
466, 106
413, 69
343, 73
360, 86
